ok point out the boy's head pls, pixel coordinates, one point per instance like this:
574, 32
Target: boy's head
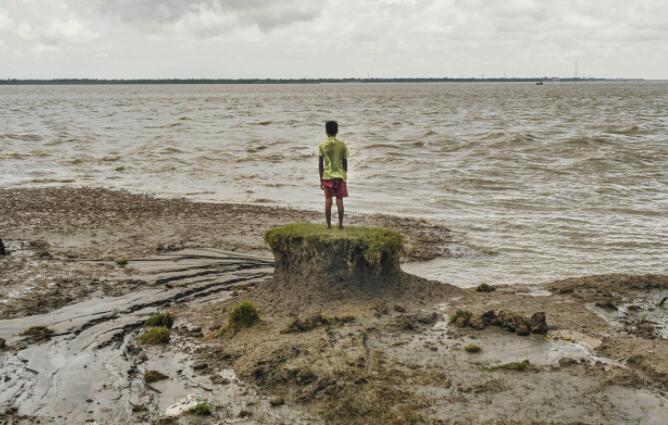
331, 127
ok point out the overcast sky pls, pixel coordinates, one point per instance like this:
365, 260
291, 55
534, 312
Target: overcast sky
332, 38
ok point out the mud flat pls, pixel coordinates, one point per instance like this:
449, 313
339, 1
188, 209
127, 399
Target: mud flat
342, 335
68, 244
389, 349
90, 365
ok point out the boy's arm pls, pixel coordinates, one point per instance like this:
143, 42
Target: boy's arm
346, 154
321, 169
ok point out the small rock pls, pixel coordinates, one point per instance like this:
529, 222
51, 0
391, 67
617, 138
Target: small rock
3, 251
151, 376
43, 254
219, 380
477, 322
567, 361
277, 401
3, 344
200, 366
538, 323
606, 305
245, 414
522, 330
399, 309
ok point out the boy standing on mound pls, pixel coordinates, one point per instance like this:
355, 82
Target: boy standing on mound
333, 166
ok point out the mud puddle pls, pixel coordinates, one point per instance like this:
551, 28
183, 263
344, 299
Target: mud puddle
521, 378
91, 369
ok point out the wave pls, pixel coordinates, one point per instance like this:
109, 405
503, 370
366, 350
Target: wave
25, 137
256, 149
170, 149
49, 181
13, 155
382, 146
632, 130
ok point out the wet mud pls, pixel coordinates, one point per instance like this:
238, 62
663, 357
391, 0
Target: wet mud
91, 367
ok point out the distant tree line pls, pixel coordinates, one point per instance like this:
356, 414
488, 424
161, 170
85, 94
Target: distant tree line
92, 81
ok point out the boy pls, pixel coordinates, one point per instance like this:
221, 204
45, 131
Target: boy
333, 166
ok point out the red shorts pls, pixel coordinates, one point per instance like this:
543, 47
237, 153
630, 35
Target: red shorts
335, 188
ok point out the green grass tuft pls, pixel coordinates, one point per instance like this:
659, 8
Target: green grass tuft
155, 335
244, 315
483, 287
372, 241
160, 319
201, 409
472, 348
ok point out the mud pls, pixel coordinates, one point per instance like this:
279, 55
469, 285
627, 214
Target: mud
409, 365
102, 224
70, 313
94, 370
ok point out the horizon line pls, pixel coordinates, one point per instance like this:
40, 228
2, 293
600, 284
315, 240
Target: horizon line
80, 81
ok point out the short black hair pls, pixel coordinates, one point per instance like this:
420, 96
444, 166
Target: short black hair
331, 127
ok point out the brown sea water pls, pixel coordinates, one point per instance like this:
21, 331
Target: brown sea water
537, 182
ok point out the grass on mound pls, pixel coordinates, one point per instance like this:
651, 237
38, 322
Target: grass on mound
373, 241
155, 335
201, 409
160, 319
244, 315
472, 347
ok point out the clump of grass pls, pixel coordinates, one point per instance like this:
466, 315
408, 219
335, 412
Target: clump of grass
160, 319
201, 409
38, 333
310, 323
373, 242
472, 347
483, 287
460, 318
155, 335
243, 315
151, 376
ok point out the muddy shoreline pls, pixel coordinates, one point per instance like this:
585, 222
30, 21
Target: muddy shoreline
91, 265
70, 243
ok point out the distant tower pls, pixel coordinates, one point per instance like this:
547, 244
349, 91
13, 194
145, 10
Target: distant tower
576, 74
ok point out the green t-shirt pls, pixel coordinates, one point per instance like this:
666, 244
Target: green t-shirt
333, 151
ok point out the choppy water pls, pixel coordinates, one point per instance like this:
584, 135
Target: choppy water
537, 182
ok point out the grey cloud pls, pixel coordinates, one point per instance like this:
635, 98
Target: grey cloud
368, 37
265, 14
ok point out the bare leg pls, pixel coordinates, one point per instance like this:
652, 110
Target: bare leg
339, 208
328, 212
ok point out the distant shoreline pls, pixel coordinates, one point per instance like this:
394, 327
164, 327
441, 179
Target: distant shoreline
266, 81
